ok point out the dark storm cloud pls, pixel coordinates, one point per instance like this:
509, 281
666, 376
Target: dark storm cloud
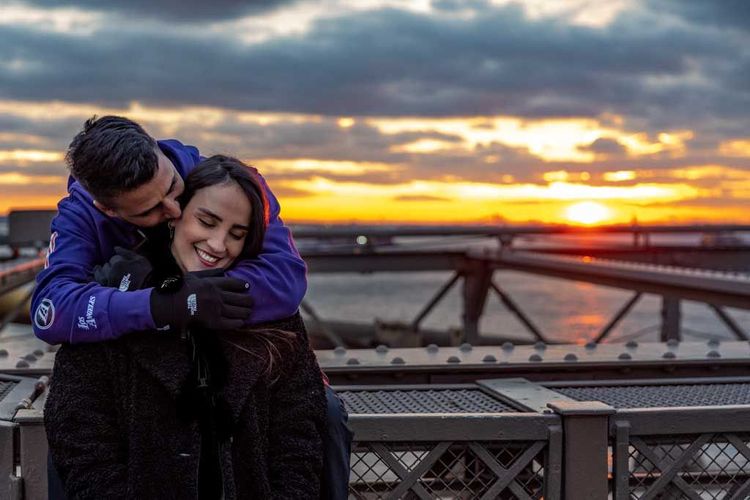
50, 133
605, 146
385, 62
173, 10
722, 13
35, 169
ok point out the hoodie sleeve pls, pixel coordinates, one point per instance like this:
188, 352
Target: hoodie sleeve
278, 276
67, 306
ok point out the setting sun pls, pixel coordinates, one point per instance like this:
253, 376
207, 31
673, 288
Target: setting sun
587, 212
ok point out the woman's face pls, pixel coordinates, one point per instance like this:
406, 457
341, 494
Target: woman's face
212, 230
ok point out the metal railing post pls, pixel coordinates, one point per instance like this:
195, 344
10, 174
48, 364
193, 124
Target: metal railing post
33, 453
586, 436
477, 279
670, 318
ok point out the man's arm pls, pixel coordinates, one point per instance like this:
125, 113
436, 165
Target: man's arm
277, 277
66, 305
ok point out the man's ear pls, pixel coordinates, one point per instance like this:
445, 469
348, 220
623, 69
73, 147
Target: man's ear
107, 211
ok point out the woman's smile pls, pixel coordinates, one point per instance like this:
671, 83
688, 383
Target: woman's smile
206, 258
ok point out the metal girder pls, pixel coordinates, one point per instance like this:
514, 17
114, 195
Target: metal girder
411, 261
518, 312
617, 318
726, 289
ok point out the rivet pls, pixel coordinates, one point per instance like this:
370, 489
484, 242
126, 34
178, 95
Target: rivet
714, 343
30, 357
489, 359
508, 346
631, 344
591, 345
3, 352
398, 361
540, 346
381, 349
454, 359
535, 357
624, 356
339, 351
673, 342
465, 347
38, 353
22, 364
669, 355
352, 361
433, 348
570, 357
713, 354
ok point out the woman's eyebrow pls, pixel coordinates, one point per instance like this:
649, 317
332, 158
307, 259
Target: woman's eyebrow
205, 211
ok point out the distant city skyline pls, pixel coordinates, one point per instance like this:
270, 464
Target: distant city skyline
392, 111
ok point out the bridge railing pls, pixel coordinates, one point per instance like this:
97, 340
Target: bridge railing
455, 441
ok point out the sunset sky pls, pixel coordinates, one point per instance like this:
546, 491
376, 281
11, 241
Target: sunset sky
403, 111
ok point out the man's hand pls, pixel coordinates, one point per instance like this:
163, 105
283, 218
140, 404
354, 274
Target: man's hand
126, 270
201, 299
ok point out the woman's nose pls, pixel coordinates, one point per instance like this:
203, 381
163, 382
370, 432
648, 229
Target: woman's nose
216, 243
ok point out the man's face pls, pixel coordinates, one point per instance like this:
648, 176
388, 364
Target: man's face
152, 203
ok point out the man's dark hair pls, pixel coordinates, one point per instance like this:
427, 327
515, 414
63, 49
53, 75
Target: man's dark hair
112, 155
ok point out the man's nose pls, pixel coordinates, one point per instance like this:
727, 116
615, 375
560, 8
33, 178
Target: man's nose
172, 209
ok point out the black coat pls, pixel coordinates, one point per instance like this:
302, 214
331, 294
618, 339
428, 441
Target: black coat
115, 430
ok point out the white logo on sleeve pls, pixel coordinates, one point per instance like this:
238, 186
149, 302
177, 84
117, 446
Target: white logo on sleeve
44, 315
88, 322
125, 283
192, 304
50, 249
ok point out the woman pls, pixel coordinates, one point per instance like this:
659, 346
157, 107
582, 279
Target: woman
191, 414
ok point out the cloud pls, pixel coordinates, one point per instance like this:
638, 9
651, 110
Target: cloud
722, 14
173, 10
420, 198
395, 63
605, 146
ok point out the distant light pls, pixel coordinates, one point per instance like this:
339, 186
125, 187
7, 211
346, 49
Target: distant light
361, 240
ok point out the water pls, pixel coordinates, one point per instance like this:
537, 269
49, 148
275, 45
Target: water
563, 310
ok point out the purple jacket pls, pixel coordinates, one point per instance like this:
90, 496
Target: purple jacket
68, 306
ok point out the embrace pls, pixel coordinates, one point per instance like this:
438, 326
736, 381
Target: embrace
185, 369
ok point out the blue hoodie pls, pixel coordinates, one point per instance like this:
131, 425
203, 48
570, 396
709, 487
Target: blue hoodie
67, 306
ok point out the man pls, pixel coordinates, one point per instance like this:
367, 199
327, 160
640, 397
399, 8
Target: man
124, 183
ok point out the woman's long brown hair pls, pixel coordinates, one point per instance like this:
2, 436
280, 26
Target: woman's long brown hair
219, 169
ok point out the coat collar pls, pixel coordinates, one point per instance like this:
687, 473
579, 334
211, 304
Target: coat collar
165, 358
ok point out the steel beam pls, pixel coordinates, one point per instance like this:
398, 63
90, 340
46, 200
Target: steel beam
477, 280
726, 289
671, 317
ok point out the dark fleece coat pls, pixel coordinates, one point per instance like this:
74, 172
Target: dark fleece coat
115, 431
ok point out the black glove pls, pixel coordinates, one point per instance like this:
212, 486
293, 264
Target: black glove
126, 270
201, 299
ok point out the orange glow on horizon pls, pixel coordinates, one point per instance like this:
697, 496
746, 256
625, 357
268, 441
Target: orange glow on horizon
588, 213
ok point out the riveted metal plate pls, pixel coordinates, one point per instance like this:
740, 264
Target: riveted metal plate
422, 401
662, 396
